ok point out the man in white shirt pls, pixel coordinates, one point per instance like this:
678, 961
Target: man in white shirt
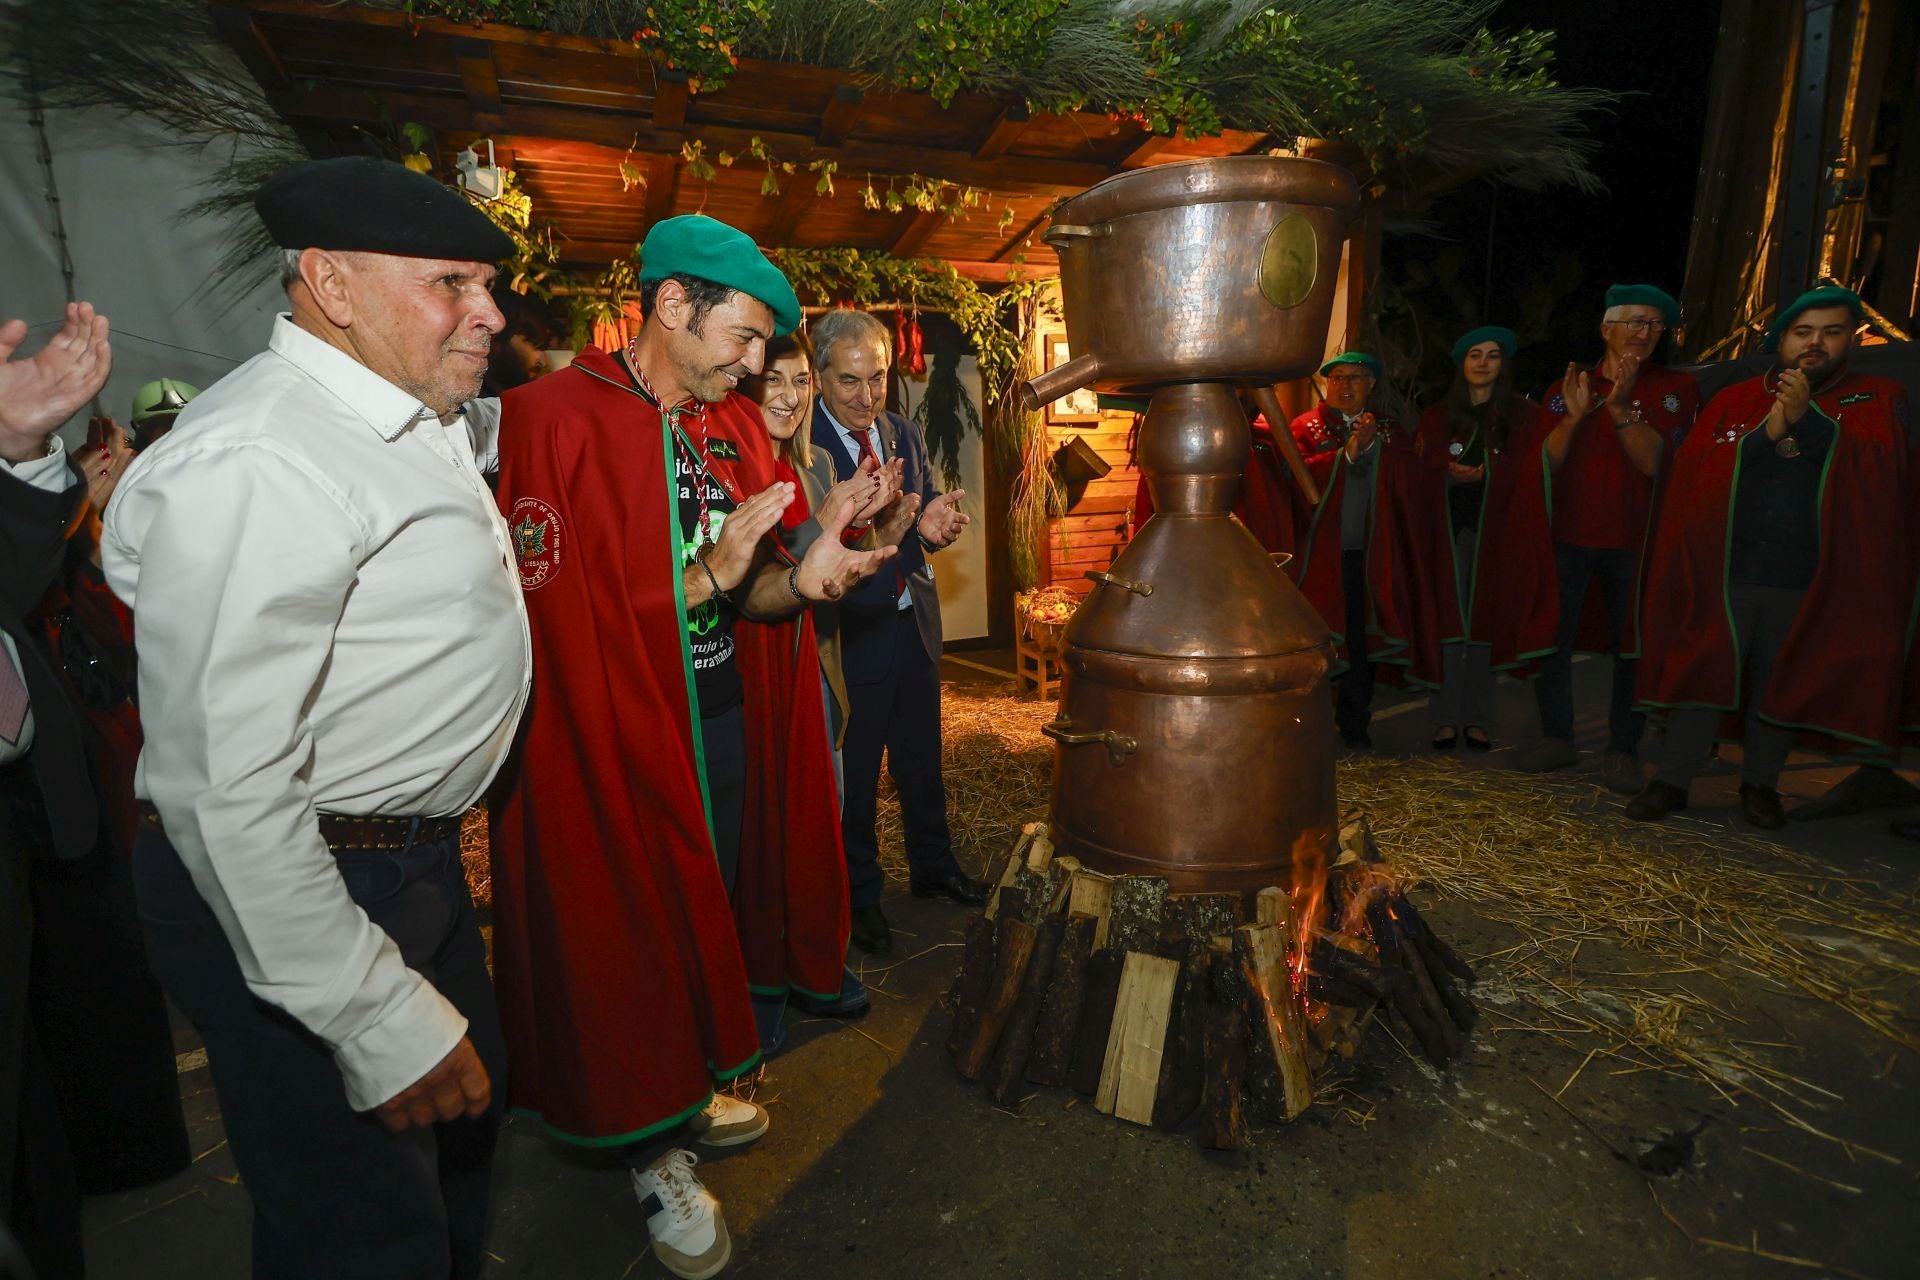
46, 799
333, 659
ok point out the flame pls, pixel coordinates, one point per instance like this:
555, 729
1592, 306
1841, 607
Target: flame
1308, 897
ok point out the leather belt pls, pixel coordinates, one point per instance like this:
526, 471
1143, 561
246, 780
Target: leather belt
341, 831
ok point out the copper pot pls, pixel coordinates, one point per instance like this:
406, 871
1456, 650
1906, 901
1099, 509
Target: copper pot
1195, 731
1211, 269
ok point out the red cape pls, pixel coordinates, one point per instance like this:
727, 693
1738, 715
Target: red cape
622, 981
1671, 402
1837, 678
1403, 631
1269, 503
1510, 601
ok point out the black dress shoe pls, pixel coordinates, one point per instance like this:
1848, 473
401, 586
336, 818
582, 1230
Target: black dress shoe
1656, 800
1762, 806
870, 931
1359, 741
958, 885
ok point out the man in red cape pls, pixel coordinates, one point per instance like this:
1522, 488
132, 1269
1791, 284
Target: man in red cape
1603, 433
1776, 588
675, 753
1361, 552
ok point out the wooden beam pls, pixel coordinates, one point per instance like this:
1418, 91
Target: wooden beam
795, 199
670, 96
479, 78
916, 233
342, 103
1013, 247
848, 101
663, 183
1149, 147
1010, 125
239, 30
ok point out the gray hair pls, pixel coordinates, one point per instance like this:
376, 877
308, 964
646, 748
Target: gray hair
290, 267
837, 327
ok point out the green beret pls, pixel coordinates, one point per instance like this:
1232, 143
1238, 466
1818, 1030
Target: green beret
1485, 333
163, 397
1827, 295
1353, 357
696, 245
370, 205
1645, 295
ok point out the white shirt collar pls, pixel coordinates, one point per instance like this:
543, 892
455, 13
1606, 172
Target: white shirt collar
382, 405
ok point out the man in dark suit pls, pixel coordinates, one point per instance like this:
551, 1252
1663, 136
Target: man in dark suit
890, 633
46, 796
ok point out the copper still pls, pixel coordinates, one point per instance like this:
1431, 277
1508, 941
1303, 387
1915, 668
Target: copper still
1195, 733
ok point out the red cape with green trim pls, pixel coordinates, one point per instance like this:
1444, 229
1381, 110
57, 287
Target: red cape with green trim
1269, 502
1511, 601
1403, 628
1837, 678
621, 974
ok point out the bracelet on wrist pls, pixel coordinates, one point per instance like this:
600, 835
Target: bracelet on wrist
793, 583
700, 558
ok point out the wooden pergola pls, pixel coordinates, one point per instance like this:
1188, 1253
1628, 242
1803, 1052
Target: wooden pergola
565, 113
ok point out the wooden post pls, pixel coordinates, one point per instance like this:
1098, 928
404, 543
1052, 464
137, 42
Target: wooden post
1223, 1117
1277, 1039
1092, 895
1015, 950
1053, 1034
1096, 1020
976, 978
1010, 1060
1130, 1075
1181, 1066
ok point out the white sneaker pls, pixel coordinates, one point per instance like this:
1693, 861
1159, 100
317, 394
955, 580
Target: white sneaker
689, 1235
727, 1121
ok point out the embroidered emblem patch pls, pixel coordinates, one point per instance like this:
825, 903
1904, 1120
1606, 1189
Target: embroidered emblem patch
1670, 402
724, 449
1557, 404
1857, 397
537, 537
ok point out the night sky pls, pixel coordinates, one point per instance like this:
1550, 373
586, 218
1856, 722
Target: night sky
1521, 246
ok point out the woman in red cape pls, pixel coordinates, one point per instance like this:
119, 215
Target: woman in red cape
623, 971
1487, 558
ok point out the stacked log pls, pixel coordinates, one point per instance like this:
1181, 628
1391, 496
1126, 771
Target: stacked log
1165, 1008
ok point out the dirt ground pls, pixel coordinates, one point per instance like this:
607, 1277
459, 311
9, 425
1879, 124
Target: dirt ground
1547, 1151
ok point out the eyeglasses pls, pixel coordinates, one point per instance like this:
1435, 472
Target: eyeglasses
1641, 326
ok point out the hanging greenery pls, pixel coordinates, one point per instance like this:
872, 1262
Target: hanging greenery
1399, 80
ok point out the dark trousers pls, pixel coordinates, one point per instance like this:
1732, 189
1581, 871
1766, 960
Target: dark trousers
1615, 569
1353, 710
723, 747
1762, 616
898, 715
334, 1193
39, 1198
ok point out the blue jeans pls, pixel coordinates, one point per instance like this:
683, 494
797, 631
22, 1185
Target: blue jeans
334, 1193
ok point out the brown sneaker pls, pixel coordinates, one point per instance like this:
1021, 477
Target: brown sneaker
727, 1121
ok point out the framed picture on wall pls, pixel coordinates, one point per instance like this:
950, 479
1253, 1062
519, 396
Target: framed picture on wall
1078, 406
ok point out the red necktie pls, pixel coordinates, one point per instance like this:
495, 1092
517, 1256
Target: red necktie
865, 440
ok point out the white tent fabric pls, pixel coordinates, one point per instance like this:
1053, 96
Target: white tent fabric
134, 258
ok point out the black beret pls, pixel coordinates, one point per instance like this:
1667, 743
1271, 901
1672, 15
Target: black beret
376, 206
